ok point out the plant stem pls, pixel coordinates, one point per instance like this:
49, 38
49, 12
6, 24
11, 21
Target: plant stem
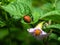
7, 22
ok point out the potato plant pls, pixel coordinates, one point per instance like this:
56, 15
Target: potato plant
29, 22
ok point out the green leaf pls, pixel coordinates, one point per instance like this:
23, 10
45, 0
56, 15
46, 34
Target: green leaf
58, 38
54, 26
17, 9
53, 15
35, 14
39, 12
52, 36
55, 12
3, 33
26, 26
58, 5
47, 7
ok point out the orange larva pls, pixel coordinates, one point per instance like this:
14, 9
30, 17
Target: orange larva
27, 18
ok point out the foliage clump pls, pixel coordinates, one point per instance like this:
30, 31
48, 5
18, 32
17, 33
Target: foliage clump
13, 25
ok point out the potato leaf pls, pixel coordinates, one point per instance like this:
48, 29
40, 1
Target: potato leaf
17, 9
54, 26
58, 5
53, 15
53, 36
35, 14
58, 39
47, 7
